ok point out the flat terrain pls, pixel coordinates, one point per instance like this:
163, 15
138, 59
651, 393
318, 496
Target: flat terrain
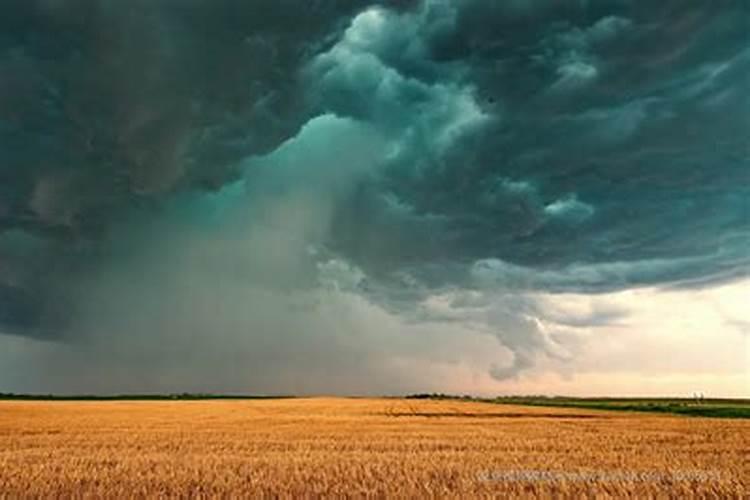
720, 408
291, 447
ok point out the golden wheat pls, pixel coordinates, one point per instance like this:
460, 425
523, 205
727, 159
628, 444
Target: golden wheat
379, 447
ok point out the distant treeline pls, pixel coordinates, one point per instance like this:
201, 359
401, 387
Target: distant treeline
702, 407
185, 396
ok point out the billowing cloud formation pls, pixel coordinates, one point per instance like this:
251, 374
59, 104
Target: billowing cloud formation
607, 144
216, 177
108, 108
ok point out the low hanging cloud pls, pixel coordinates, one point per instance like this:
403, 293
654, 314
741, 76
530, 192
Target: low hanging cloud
241, 196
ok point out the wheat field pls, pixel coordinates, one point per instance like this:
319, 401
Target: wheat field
363, 447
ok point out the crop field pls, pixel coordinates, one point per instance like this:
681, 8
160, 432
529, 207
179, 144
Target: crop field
393, 447
720, 408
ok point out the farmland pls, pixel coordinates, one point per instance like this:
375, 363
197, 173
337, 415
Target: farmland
325, 446
719, 408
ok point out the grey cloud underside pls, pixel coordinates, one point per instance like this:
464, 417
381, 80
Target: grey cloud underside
558, 146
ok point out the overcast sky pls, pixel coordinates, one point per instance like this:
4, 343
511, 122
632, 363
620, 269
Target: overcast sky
353, 197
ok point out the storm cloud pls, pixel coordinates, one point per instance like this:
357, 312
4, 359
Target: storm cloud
284, 191
604, 144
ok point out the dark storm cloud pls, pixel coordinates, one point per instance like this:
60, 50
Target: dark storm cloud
615, 150
104, 102
108, 107
553, 146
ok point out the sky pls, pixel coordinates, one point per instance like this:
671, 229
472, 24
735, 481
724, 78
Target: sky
359, 197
